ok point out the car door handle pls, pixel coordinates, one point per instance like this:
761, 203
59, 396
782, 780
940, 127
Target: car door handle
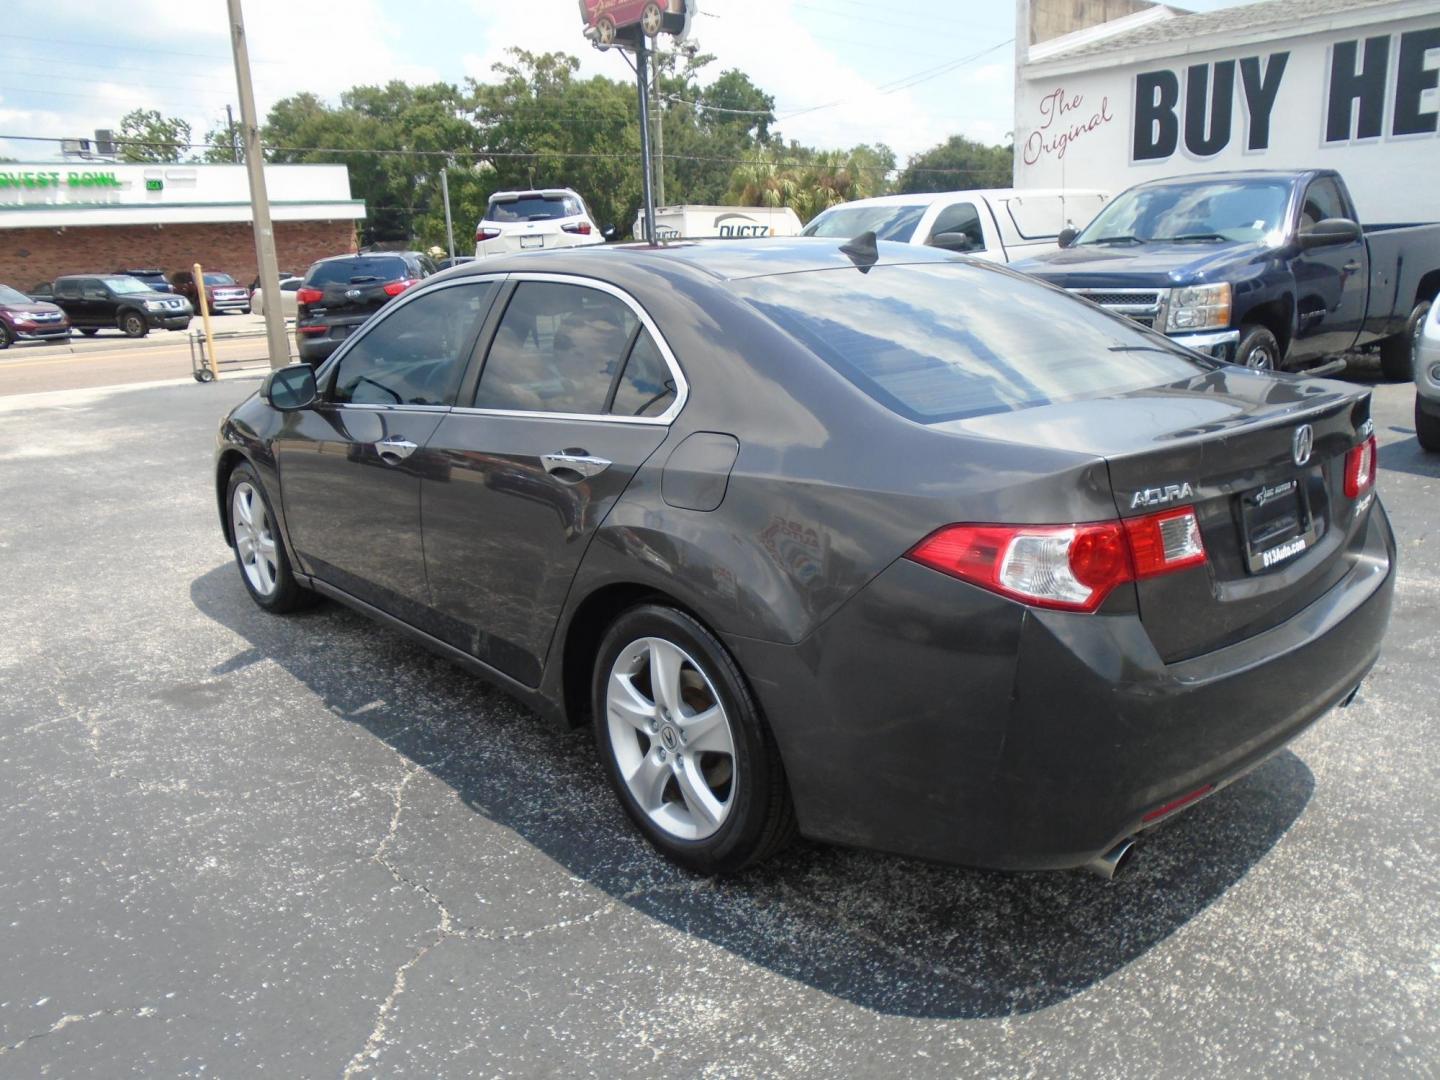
1351, 266
575, 462
394, 450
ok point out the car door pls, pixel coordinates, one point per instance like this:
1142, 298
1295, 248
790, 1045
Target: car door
1330, 282
349, 474
577, 389
68, 296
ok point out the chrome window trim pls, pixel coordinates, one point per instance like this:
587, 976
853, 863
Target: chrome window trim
682, 387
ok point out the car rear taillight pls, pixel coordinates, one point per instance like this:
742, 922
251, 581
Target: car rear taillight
308, 296
580, 228
1068, 567
395, 288
1360, 468
311, 329
482, 234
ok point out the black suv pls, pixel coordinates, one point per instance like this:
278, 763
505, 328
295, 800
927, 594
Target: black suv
341, 292
97, 302
153, 277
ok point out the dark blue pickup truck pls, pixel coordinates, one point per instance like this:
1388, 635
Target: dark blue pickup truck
1268, 269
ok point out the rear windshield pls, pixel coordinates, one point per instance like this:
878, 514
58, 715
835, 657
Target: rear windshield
363, 269
942, 341
886, 222
533, 208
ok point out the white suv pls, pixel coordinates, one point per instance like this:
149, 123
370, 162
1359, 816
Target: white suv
534, 220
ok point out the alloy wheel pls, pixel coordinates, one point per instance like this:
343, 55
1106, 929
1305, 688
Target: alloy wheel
1260, 359
650, 20
254, 539
671, 738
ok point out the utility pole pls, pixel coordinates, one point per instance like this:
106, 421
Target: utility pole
445, 194
279, 343
642, 67
230, 135
659, 134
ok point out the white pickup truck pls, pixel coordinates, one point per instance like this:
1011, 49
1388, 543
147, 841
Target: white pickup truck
997, 224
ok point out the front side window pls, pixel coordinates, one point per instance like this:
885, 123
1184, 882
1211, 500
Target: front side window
557, 350
960, 218
416, 354
1322, 201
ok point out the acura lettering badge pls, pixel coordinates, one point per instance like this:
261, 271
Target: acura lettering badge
1302, 443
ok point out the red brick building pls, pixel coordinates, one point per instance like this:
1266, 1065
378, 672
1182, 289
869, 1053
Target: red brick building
64, 218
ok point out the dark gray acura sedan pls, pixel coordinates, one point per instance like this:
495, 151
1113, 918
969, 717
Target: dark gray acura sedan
881, 545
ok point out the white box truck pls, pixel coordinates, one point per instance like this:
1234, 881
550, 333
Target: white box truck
726, 222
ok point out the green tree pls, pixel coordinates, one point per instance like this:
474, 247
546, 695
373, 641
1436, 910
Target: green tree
223, 144
958, 164
146, 135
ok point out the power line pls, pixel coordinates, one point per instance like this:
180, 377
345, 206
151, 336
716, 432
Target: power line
110, 45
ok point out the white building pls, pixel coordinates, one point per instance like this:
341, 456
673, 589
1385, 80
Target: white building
1112, 92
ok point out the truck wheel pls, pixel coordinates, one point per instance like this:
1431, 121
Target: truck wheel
1397, 354
133, 324
1427, 428
1258, 349
89, 331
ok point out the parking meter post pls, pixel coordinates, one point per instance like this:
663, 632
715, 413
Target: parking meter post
642, 71
278, 341
204, 301
445, 194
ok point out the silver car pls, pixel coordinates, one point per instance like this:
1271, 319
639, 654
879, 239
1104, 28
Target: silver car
1427, 380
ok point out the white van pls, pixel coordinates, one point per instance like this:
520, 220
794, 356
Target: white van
731, 222
998, 224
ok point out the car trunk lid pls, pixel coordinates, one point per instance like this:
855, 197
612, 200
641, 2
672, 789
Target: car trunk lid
1277, 524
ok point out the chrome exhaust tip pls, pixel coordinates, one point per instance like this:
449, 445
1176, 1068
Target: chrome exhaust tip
1109, 864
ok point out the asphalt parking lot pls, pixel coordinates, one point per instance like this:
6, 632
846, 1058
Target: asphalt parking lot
232, 842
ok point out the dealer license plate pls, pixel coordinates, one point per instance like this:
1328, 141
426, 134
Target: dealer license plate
1278, 524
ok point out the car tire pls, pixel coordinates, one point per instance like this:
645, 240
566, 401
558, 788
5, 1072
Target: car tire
652, 19
5, 336
662, 756
1427, 428
605, 32
133, 325
1258, 349
264, 567
1397, 354
89, 331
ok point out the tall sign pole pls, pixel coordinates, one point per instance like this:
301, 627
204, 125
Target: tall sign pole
445, 194
279, 343
642, 69
659, 133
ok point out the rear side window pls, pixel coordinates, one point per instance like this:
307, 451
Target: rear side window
646, 387
416, 353
557, 349
69, 288
361, 270
942, 341
532, 208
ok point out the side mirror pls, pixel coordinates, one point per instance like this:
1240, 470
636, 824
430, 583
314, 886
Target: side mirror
609, 232
953, 241
1067, 236
289, 388
1327, 233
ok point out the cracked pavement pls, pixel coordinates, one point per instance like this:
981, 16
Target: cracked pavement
234, 842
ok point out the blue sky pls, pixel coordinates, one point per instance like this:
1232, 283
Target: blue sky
842, 71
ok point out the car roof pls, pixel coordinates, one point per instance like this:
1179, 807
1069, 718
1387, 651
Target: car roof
724, 260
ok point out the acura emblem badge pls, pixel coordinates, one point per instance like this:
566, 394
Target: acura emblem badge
1302, 443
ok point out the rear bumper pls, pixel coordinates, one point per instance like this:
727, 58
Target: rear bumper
932, 719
